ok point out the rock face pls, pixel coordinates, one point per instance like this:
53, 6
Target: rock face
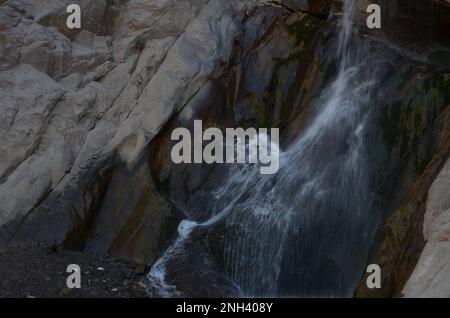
265, 76
431, 276
414, 29
86, 115
318, 8
80, 107
408, 149
417, 28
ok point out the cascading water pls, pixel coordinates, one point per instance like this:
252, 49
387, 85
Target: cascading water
307, 230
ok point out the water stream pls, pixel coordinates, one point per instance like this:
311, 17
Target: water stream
307, 230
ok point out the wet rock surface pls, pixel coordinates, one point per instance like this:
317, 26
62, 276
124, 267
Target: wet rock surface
421, 153
418, 29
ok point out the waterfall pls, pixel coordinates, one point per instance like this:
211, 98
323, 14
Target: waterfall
307, 230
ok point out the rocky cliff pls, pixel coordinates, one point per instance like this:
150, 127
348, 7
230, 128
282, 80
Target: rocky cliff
81, 106
87, 114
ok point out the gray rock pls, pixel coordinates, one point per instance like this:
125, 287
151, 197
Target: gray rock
28, 98
80, 108
431, 277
